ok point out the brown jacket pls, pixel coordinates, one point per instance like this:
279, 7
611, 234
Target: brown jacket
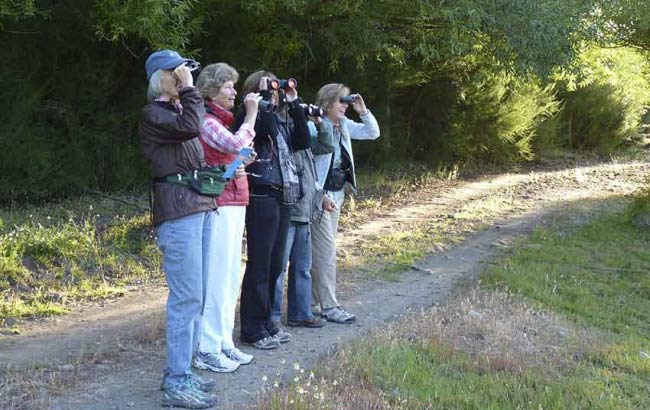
169, 142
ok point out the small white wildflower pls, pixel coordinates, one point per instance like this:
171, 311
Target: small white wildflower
296, 379
296, 366
276, 384
300, 390
264, 378
302, 371
335, 383
283, 361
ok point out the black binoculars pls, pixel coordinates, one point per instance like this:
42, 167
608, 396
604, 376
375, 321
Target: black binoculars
285, 84
348, 99
312, 110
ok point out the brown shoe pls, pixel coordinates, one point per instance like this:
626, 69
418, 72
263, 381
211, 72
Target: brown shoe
314, 322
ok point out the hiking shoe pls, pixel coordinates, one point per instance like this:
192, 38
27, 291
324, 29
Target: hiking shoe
338, 315
313, 322
217, 363
238, 356
267, 343
204, 384
186, 394
282, 336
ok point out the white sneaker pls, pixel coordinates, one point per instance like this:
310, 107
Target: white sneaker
238, 356
218, 362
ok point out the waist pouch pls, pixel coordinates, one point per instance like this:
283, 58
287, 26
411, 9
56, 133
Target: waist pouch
336, 179
207, 181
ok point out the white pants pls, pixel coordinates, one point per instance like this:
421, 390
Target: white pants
222, 287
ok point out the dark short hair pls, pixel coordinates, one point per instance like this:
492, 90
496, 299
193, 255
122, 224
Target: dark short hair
252, 82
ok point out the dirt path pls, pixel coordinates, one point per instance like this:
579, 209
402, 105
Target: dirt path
117, 346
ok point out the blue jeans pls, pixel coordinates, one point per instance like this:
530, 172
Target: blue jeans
298, 254
186, 244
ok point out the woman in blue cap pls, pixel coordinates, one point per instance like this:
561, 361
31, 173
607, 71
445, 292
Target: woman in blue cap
169, 126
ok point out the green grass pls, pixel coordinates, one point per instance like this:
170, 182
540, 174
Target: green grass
419, 375
595, 275
84, 249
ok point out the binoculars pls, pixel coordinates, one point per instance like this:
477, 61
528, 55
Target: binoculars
348, 99
312, 110
285, 84
194, 66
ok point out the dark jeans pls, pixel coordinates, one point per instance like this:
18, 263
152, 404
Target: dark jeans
267, 224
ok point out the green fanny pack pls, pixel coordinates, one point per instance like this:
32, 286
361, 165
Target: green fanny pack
207, 181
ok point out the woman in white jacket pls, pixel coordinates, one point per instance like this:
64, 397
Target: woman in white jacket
336, 174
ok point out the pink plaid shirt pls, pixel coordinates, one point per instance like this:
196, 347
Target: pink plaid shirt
214, 134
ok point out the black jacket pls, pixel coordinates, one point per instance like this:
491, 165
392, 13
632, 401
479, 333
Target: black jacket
268, 127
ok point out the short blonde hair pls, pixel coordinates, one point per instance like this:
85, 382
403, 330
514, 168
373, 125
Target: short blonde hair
330, 93
213, 76
252, 82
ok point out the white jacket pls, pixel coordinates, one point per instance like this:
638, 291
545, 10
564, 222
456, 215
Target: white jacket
368, 129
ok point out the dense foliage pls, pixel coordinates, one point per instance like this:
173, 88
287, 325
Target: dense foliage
466, 81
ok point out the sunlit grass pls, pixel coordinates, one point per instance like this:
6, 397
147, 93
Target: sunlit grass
52, 256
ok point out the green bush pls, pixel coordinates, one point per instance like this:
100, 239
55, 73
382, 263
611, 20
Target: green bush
489, 117
605, 96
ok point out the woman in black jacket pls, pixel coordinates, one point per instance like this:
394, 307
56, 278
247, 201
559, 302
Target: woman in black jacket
273, 183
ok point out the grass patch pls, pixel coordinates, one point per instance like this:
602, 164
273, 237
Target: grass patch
558, 323
596, 274
76, 250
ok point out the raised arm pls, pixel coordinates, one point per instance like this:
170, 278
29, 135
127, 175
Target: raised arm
162, 128
301, 137
220, 138
322, 137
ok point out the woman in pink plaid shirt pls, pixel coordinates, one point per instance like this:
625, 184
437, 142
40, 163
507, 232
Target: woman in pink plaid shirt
216, 83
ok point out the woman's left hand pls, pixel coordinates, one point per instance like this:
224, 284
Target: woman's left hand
241, 171
292, 94
359, 105
250, 159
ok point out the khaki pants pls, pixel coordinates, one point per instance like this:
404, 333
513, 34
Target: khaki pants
323, 269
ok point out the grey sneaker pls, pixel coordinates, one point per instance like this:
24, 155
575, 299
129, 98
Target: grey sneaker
238, 356
217, 363
267, 343
338, 315
186, 394
202, 383
282, 336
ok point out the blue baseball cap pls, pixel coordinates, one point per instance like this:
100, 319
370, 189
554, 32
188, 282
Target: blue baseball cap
165, 60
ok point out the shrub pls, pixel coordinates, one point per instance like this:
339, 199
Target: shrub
605, 96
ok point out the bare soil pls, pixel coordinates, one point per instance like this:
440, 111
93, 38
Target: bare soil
111, 353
